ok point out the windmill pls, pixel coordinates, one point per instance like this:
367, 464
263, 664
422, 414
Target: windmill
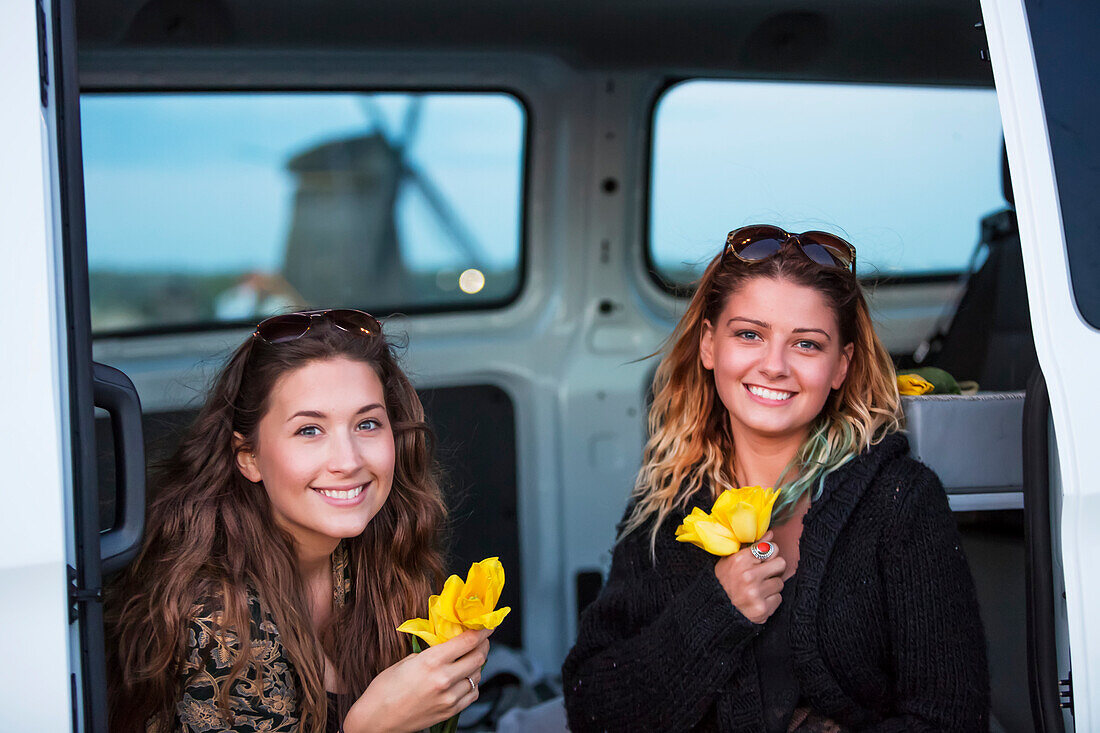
344, 242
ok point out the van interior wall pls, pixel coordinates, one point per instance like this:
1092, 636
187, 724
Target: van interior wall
554, 382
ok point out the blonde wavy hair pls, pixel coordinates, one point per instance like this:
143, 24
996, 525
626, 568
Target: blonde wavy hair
690, 444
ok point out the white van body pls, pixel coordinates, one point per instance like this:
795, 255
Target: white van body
566, 351
36, 529
1066, 345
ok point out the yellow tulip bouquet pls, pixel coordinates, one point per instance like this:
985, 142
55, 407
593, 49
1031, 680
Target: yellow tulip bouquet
932, 380
461, 606
913, 384
738, 517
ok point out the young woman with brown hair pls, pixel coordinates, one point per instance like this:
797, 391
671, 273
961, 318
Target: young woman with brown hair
866, 618
296, 527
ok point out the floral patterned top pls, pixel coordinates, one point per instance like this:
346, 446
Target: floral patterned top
265, 696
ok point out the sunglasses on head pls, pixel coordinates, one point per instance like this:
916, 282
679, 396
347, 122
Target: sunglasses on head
293, 326
755, 243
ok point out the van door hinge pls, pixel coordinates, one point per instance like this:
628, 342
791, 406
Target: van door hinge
1065, 691
78, 595
983, 51
43, 56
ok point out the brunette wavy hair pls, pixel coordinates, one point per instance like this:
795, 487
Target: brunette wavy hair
211, 534
690, 444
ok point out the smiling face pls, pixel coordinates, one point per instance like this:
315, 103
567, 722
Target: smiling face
324, 451
776, 354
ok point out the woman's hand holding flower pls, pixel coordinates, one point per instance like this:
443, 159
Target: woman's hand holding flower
738, 517
753, 586
435, 685
423, 689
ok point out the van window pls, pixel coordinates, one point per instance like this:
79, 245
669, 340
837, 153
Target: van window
225, 207
904, 173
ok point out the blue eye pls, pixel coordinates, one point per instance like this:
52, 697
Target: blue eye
748, 335
812, 345
370, 424
308, 430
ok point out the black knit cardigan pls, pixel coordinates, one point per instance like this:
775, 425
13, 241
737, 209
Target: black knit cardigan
884, 630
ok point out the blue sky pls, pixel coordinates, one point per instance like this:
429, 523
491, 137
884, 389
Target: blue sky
904, 173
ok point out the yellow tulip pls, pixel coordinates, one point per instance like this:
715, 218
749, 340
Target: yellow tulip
913, 384
738, 517
434, 629
463, 605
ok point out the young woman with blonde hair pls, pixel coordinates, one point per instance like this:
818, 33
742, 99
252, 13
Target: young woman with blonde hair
296, 527
866, 617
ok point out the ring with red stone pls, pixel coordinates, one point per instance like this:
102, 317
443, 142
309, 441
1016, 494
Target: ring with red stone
763, 550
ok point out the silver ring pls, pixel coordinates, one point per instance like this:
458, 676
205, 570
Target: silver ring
473, 685
763, 550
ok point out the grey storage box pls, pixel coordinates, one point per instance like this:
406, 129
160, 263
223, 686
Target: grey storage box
973, 442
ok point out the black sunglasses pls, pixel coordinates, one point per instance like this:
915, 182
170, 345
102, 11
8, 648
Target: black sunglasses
759, 242
293, 326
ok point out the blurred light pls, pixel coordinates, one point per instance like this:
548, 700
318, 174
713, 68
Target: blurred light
471, 281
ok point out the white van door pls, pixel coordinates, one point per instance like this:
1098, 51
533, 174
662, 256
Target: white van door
35, 681
51, 541
36, 690
1045, 62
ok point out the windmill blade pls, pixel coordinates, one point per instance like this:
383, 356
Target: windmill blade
411, 124
448, 218
375, 116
